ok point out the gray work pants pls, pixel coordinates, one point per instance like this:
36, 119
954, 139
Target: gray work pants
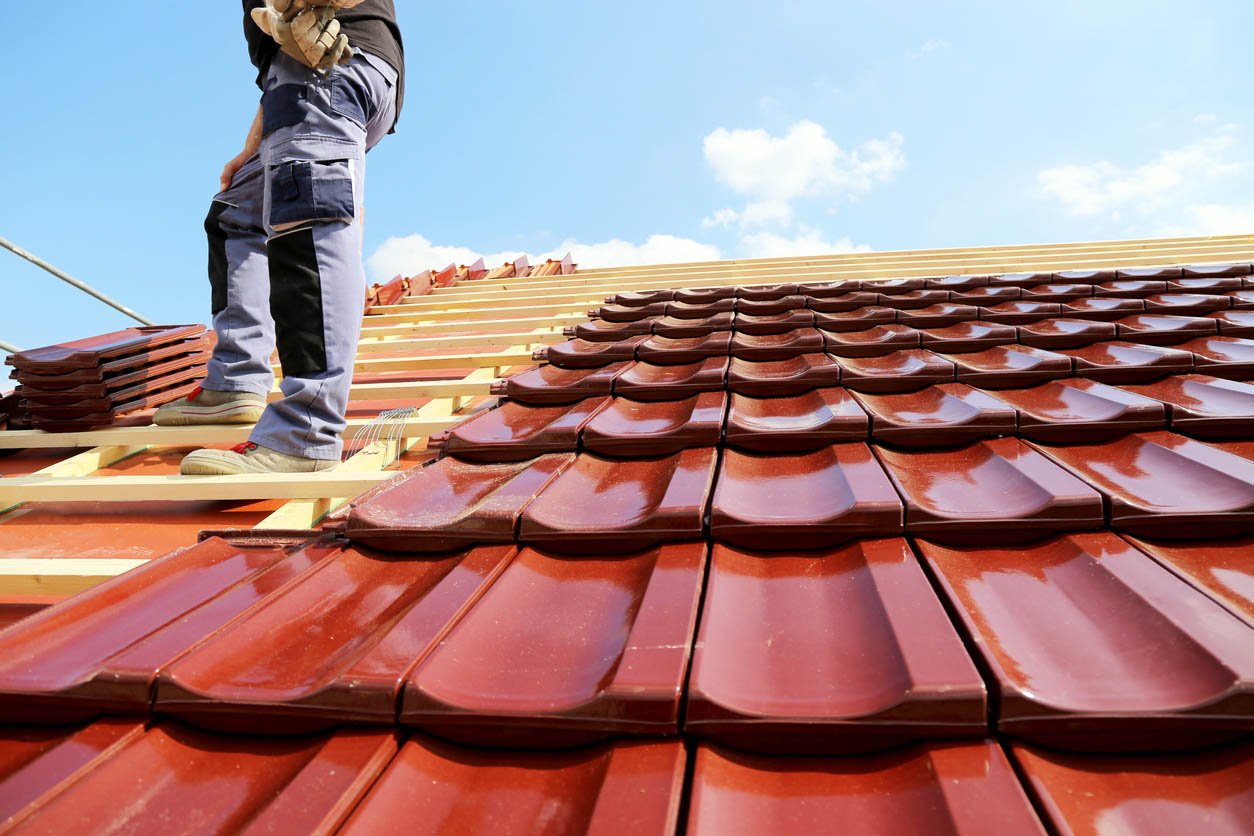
285, 245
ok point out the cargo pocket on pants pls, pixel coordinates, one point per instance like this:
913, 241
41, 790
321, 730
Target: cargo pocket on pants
305, 191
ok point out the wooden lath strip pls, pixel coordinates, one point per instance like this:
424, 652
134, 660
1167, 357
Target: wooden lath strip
527, 338
175, 488
462, 326
58, 575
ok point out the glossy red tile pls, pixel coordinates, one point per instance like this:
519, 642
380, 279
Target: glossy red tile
1213, 284
829, 651
1186, 304
873, 342
550, 385
1090, 276
72, 418
334, 647
967, 336
803, 500
956, 282
625, 313
914, 299
1055, 621
656, 428
999, 490
842, 302
704, 294
516, 432
1124, 362
1163, 484
895, 286
598, 330
643, 381
790, 424
1216, 270
1150, 795
901, 371
1163, 329
858, 319
670, 326
1150, 273
1134, 288
770, 307
1203, 406
586, 354
937, 316
1223, 356
826, 290
640, 298
777, 346
608, 506
668, 351
700, 310
1234, 323
1078, 410
765, 292
452, 504
176, 779
1223, 569
94, 351
1006, 366
965, 789
91, 383
780, 323
1056, 292
1243, 299
782, 377
95, 397
1065, 333
100, 651
1102, 307
948, 413
1022, 279
623, 787
985, 296
126, 369
1017, 313
562, 651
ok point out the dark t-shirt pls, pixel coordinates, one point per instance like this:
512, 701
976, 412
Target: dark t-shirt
370, 26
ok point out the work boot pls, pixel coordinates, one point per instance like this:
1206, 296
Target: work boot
249, 458
208, 406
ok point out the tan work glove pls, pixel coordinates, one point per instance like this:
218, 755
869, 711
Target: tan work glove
310, 35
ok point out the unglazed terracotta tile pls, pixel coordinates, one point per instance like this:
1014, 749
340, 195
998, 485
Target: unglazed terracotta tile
1223, 569
1133, 288
1163, 329
175, 779
999, 490
699, 310
332, 648
1089, 276
873, 342
777, 346
1150, 273
803, 500
598, 330
1163, 484
836, 303
1217, 270
826, 290
607, 506
1151, 794
769, 307
956, 282
777, 323
966, 789
940, 415
937, 316
1124, 362
1065, 333
794, 423
670, 326
100, 651
678, 351
1234, 323
1186, 304
1223, 356
967, 336
901, 371
1203, 406
782, 377
586, 354
858, 319
829, 651
1078, 410
93, 351
656, 428
921, 298
516, 432
551, 385
605, 790
1095, 646
1008, 366
452, 504
566, 650
765, 292
704, 294
985, 296
1017, 313
1102, 307
1056, 292
625, 313
643, 381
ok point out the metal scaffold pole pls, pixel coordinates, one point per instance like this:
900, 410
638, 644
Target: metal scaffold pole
67, 278
8, 348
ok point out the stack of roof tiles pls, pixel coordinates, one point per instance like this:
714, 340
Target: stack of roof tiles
970, 554
92, 382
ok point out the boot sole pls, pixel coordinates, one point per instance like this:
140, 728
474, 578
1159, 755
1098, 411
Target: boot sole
233, 415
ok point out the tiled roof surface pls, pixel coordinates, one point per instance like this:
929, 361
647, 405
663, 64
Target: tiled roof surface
968, 554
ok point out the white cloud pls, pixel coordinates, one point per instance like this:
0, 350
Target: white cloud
808, 241
1210, 219
1103, 187
723, 218
928, 47
761, 213
414, 253
1205, 118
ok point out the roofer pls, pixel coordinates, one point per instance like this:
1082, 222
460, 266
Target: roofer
285, 234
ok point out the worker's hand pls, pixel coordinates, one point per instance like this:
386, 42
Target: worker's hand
233, 165
298, 5
311, 36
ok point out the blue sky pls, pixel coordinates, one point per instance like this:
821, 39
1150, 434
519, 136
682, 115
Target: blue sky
635, 133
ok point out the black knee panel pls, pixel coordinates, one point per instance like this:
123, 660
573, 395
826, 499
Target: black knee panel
296, 302
217, 256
